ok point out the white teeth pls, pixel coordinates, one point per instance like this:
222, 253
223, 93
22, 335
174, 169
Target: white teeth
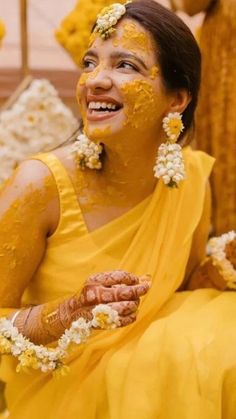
102, 105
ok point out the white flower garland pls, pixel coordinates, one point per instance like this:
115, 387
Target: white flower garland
108, 18
169, 164
38, 120
46, 359
88, 152
216, 249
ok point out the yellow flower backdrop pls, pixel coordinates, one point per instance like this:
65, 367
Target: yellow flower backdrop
2, 30
74, 31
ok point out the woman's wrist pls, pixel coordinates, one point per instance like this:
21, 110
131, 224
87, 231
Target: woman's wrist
218, 270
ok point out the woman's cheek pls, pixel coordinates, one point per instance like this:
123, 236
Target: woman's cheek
140, 104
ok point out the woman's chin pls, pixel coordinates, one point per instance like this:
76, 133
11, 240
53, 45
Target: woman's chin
102, 132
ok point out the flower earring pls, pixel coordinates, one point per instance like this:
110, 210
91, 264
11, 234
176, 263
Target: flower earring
88, 152
169, 163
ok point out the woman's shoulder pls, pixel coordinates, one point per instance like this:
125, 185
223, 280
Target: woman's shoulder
30, 173
31, 186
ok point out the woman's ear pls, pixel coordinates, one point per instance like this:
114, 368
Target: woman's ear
179, 101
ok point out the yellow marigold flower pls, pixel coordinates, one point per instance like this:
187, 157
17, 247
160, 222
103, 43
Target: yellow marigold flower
5, 345
75, 29
2, 30
175, 126
61, 371
28, 359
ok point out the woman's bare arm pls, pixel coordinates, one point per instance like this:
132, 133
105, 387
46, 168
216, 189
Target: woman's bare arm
26, 219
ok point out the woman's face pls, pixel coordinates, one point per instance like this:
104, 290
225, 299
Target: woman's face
120, 91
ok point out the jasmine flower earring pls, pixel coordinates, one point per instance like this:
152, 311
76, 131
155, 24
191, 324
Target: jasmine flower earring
169, 163
87, 152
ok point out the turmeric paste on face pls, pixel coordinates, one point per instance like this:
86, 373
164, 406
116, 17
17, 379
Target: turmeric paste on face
133, 39
140, 104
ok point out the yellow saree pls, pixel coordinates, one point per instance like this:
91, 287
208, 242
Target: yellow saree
178, 359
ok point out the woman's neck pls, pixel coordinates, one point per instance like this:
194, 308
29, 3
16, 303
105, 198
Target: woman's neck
128, 170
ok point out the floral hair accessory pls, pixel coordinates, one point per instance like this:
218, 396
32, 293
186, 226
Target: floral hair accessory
108, 18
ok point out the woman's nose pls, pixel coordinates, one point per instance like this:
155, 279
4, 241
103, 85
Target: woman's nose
99, 79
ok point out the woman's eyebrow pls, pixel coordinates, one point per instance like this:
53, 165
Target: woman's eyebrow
117, 54
91, 53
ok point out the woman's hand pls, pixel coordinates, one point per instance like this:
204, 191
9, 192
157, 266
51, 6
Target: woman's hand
118, 289
121, 290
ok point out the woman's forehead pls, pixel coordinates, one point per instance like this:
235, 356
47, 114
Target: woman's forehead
129, 35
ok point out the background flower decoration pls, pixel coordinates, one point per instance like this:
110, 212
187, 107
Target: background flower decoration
75, 29
2, 31
37, 121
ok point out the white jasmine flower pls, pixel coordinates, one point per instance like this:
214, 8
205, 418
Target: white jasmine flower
38, 120
169, 164
216, 249
105, 317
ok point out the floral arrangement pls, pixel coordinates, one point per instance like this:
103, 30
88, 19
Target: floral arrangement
2, 31
108, 18
216, 249
37, 121
75, 30
47, 359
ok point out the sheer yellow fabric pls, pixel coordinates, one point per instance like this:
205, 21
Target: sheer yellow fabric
178, 359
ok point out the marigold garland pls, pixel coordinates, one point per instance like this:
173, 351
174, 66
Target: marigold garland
75, 29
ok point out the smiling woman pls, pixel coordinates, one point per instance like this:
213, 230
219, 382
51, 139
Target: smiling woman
120, 214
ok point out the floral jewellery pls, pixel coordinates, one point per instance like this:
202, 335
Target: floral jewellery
47, 359
108, 18
169, 163
216, 250
88, 153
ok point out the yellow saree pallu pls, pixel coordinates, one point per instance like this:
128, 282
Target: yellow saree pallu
178, 360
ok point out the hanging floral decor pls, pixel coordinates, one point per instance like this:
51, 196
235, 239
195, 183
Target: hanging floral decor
37, 121
75, 29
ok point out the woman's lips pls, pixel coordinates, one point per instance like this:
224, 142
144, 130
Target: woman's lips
101, 115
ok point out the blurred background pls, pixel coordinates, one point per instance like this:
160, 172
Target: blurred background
46, 58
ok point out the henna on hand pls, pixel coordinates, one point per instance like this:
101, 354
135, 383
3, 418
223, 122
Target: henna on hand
108, 279
121, 290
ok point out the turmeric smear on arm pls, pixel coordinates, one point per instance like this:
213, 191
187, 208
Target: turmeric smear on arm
24, 203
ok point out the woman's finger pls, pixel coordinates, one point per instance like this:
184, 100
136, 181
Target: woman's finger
108, 279
124, 308
126, 320
93, 295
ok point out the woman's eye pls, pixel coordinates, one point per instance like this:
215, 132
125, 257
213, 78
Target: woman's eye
127, 65
88, 64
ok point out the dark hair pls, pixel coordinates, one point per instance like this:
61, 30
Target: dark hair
178, 53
